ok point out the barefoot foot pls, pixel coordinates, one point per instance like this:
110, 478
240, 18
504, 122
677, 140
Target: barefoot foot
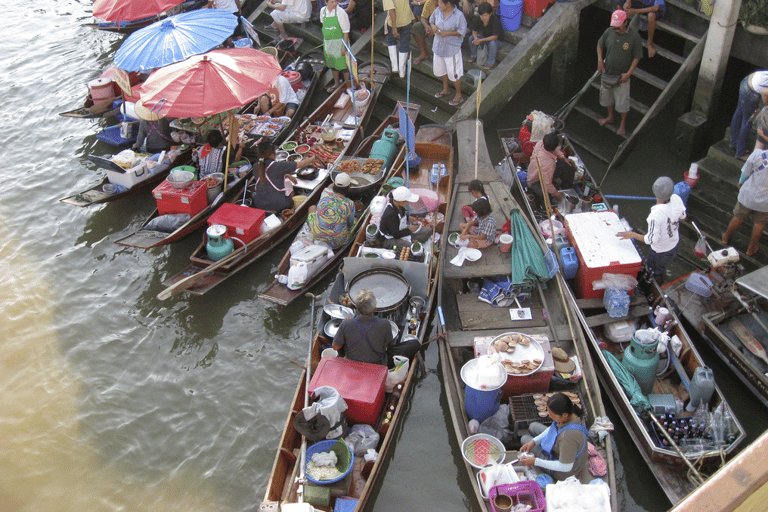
622, 130
651, 50
604, 121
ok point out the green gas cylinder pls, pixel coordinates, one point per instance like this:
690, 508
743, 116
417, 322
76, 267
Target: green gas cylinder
386, 147
641, 358
218, 246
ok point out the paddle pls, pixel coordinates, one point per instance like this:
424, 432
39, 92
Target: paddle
180, 286
313, 299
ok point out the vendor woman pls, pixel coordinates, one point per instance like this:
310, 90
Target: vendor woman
560, 449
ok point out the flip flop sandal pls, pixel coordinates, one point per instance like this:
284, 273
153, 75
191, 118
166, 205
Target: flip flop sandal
453, 103
419, 61
441, 94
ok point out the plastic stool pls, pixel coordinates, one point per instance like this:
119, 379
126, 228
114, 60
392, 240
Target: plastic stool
477, 76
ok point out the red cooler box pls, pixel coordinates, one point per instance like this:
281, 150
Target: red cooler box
360, 384
243, 222
191, 200
593, 235
537, 382
535, 8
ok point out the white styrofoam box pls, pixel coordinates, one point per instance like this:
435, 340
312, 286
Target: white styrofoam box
595, 236
270, 223
131, 177
721, 257
560, 493
621, 331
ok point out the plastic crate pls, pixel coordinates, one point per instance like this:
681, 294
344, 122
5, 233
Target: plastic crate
111, 135
345, 504
526, 492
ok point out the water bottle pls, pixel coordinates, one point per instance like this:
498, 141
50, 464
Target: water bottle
434, 174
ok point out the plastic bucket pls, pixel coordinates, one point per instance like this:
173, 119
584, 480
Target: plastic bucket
690, 180
362, 97
511, 14
101, 89
506, 242
481, 404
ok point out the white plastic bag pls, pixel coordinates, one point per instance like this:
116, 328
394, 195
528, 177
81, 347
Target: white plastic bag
362, 438
615, 282
125, 158
397, 374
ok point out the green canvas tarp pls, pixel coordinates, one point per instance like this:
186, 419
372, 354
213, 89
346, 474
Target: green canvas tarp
629, 383
528, 265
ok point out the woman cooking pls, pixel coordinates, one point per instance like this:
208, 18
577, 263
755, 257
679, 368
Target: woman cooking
272, 191
561, 449
449, 26
335, 32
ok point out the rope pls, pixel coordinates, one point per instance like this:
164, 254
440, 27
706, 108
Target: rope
438, 336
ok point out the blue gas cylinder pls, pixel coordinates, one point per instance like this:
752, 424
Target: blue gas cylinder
641, 358
218, 246
386, 146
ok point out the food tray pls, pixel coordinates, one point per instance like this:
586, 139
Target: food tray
526, 492
111, 135
523, 410
531, 352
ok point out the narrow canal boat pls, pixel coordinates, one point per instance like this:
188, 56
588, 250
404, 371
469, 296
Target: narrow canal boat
543, 316
652, 400
204, 273
406, 295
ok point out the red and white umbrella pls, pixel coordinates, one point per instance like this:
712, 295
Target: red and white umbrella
130, 10
211, 83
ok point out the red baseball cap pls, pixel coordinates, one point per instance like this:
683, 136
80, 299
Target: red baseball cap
618, 18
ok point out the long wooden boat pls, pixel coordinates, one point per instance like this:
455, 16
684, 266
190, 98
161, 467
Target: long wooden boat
278, 292
667, 464
283, 487
129, 26
467, 322
262, 244
729, 325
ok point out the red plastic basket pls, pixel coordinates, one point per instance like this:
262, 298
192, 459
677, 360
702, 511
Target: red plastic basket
526, 492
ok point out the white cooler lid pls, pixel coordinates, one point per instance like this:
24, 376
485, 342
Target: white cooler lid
594, 233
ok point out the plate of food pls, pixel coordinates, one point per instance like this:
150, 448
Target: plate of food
301, 149
281, 119
521, 355
267, 132
289, 146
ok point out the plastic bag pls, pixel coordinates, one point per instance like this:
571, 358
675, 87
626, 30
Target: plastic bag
125, 158
397, 374
167, 223
362, 438
615, 282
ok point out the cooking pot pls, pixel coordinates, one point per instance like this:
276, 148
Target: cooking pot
286, 45
331, 326
389, 286
308, 173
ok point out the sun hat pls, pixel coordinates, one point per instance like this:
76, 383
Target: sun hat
562, 363
663, 188
341, 180
404, 194
618, 18
145, 113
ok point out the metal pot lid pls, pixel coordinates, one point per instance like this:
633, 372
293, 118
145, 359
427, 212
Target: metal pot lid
332, 326
389, 287
338, 311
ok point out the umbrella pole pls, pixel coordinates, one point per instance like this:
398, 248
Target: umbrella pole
229, 148
548, 206
373, 24
477, 122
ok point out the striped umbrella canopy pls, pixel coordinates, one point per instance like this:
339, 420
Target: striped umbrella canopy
130, 10
175, 39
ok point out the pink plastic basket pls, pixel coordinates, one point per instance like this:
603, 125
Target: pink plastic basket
427, 199
526, 492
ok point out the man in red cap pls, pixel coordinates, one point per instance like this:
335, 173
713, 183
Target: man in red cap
618, 53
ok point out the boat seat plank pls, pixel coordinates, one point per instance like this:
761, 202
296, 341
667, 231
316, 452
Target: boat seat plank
605, 318
462, 339
472, 269
475, 314
665, 386
597, 302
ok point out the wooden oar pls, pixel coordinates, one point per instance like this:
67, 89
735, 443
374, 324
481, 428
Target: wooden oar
303, 459
185, 283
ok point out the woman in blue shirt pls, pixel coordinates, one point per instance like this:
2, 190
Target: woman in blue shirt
449, 27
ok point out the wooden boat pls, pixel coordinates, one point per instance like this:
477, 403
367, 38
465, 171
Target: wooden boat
283, 487
102, 108
465, 321
729, 325
278, 292
667, 463
262, 244
127, 27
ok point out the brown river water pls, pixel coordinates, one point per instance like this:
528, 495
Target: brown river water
113, 401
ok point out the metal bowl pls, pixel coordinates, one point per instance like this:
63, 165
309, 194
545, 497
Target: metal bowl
338, 311
395, 329
332, 326
180, 179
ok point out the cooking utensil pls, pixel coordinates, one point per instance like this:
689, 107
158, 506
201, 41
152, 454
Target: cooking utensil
331, 327
481, 450
338, 311
395, 329
389, 286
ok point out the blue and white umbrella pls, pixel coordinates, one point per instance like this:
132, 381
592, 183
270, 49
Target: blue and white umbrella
175, 39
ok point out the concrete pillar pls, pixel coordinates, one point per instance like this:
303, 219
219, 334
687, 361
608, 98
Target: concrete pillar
717, 49
564, 63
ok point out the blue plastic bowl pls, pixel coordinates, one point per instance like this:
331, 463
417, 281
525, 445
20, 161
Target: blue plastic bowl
344, 455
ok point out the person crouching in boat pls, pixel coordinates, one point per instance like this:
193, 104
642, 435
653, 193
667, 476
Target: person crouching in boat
560, 449
331, 221
480, 232
364, 337
281, 100
213, 155
273, 190
394, 225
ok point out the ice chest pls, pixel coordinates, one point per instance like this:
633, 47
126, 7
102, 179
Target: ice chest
535, 8
189, 200
537, 382
593, 235
242, 222
360, 384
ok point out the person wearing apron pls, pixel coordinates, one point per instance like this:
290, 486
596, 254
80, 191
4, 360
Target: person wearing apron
365, 337
394, 226
335, 32
561, 449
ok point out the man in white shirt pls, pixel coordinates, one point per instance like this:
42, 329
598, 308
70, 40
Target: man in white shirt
232, 6
280, 100
288, 11
663, 228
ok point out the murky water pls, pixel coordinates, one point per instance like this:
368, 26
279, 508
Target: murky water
112, 400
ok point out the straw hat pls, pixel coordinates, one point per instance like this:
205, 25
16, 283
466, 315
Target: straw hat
145, 113
562, 363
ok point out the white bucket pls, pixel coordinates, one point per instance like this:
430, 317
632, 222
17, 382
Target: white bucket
506, 242
362, 97
101, 89
329, 352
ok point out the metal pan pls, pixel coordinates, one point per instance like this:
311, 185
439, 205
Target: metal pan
332, 326
338, 311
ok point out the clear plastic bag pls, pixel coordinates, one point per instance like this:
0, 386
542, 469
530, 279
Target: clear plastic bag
362, 438
615, 282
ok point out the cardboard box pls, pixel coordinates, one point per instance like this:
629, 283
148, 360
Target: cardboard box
593, 235
242, 222
360, 384
191, 200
